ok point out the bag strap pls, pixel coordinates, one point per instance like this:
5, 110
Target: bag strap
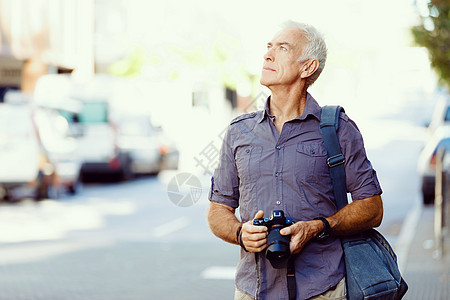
329, 124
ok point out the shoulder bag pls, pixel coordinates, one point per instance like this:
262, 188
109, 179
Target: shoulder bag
371, 264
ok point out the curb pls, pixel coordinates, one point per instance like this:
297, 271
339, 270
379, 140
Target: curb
406, 236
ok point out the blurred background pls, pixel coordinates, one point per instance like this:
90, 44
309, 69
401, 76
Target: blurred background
112, 114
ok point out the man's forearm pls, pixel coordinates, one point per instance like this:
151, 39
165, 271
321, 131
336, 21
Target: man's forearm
223, 222
358, 216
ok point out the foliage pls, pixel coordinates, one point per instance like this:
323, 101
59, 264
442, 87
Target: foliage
212, 50
434, 34
129, 66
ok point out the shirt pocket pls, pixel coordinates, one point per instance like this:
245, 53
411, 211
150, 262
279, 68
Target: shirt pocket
248, 159
311, 161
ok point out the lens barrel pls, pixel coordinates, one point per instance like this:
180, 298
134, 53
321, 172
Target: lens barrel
277, 251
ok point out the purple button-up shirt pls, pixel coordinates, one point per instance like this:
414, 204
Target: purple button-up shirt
262, 169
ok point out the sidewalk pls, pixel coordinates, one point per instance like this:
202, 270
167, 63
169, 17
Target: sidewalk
428, 278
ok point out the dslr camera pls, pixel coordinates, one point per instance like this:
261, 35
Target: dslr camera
277, 251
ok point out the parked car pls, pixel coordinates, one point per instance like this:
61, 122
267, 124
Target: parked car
31, 166
441, 112
61, 148
170, 152
86, 105
428, 159
147, 146
98, 142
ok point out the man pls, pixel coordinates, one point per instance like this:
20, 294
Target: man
275, 159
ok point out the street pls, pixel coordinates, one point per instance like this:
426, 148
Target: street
117, 241
129, 240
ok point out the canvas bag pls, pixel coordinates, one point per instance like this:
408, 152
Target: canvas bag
371, 264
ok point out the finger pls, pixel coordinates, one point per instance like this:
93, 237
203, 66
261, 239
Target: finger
290, 230
294, 248
286, 231
255, 229
255, 236
250, 228
296, 245
259, 214
257, 246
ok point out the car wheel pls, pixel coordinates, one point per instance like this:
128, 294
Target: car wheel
45, 188
53, 192
75, 187
428, 198
126, 172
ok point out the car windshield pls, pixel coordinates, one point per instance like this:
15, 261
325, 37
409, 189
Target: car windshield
447, 114
94, 112
445, 143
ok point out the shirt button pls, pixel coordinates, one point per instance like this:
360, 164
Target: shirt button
277, 174
278, 202
278, 147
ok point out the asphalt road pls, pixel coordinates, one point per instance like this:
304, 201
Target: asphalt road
130, 241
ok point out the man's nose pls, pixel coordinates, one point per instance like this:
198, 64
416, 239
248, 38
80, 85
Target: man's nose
269, 55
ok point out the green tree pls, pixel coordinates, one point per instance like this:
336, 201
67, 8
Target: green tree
434, 34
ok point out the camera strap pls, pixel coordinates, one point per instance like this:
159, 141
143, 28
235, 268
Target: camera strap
292, 286
328, 126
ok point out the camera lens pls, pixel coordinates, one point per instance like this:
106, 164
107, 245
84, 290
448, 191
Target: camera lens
278, 248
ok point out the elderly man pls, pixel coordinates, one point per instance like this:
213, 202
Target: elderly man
275, 159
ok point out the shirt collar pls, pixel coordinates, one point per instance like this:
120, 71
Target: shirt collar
266, 111
311, 108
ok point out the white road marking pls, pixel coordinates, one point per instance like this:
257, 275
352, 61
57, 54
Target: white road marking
171, 227
44, 250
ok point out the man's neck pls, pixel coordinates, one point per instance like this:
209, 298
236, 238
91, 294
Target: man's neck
287, 104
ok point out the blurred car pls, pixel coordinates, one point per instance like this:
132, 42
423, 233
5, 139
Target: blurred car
149, 149
428, 159
61, 148
86, 105
441, 112
97, 139
29, 165
170, 152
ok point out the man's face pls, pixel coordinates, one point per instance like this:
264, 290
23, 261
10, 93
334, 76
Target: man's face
281, 66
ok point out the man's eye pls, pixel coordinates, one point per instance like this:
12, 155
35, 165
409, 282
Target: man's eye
283, 48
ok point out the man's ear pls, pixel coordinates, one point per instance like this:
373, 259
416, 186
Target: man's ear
309, 68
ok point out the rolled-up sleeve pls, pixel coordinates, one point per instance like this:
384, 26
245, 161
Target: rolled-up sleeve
225, 181
362, 181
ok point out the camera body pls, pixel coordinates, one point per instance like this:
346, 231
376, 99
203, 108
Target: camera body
277, 251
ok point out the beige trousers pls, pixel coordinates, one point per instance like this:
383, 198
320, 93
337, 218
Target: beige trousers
338, 292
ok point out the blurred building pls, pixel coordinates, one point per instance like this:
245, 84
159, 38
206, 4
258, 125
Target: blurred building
44, 36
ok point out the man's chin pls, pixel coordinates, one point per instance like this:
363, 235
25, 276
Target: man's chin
265, 82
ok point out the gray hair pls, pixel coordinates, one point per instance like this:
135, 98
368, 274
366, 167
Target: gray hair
316, 48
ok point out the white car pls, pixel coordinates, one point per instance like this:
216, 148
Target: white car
441, 112
427, 160
98, 143
60, 147
36, 160
146, 145
20, 153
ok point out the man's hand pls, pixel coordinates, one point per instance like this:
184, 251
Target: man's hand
301, 232
254, 237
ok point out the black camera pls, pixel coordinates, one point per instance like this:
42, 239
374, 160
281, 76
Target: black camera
277, 251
